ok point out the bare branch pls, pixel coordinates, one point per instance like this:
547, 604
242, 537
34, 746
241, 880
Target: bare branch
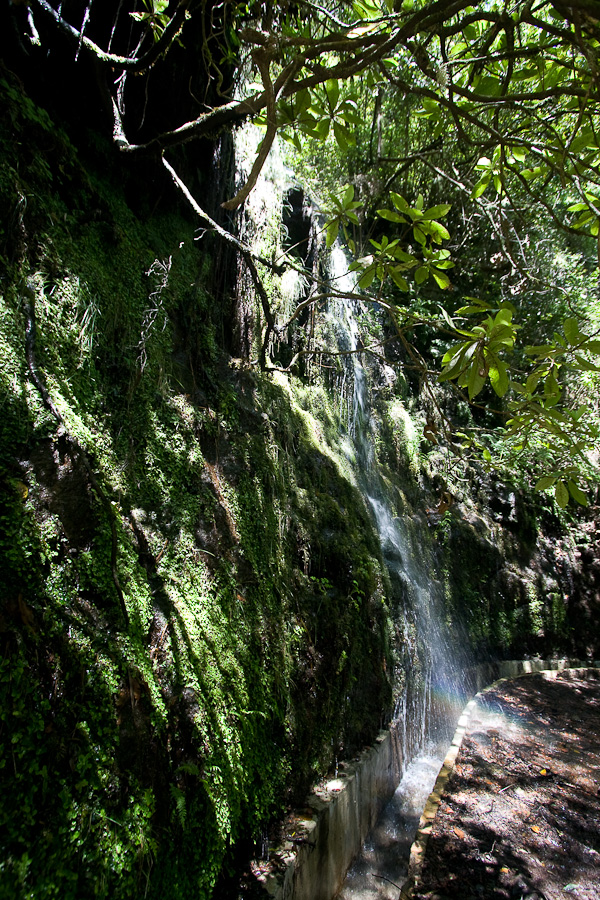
242, 249
130, 64
262, 60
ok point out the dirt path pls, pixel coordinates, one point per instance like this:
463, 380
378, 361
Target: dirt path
520, 815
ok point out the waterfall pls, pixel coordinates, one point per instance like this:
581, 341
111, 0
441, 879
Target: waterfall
428, 685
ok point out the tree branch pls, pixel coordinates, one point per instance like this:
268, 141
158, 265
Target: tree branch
263, 62
247, 255
130, 64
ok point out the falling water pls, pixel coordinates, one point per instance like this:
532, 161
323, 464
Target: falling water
428, 696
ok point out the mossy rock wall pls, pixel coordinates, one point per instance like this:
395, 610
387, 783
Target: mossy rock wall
192, 620
195, 621
519, 576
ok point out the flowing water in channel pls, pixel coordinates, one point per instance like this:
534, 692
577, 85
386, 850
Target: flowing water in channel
380, 868
429, 697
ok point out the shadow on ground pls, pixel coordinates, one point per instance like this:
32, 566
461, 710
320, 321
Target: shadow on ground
519, 816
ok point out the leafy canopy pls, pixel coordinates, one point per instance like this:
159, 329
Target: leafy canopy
484, 115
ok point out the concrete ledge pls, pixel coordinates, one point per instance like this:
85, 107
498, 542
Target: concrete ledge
321, 844
549, 668
321, 841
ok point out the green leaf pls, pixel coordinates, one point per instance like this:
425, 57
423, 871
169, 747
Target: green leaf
561, 494
438, 231
585, 365
331, 232
399, 202
458, 363
398, 279
540, 350
477, 375
532, 174
504, 316
571, 330
366, 278
390, 215
577, 494
442, 280
422, 274
542, 484
342, 136
499, 377
454, 351
365, 9
551, 385
435, 211
302, 101
320, 130
480, 188
488, 86
519, 153
332, 88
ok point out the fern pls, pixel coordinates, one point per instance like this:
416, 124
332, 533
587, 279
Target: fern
180, 811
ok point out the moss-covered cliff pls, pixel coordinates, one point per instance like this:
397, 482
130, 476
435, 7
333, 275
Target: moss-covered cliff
193, 623
195, 620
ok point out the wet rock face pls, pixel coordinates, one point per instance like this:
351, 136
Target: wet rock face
298, 222
584, 602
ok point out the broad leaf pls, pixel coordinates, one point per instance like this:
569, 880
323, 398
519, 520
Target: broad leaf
542, 484
561, 494
499, 377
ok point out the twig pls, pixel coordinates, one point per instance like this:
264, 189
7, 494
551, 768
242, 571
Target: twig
262, 61
131, 64
389, 881
244, 251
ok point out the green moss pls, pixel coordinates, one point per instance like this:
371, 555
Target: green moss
133, 758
